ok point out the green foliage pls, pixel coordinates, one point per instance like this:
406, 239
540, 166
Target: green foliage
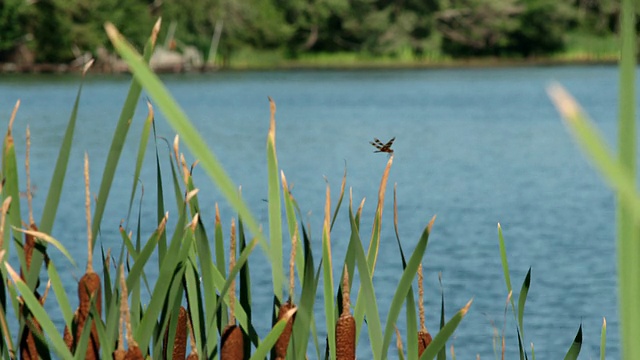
58, 30
13, 24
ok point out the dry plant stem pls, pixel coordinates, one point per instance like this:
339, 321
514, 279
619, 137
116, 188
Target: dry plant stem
346, 325
424, 338
232, 264
13, 117
28, 174
5, 209
294, 244
87, 204
120, 352
232, 339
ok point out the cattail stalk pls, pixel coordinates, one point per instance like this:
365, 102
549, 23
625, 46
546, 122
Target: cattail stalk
424, 338
232, 338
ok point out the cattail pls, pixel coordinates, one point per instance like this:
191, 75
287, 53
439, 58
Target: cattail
232, 338
232, 343
180, 339
424, 338
346, 325
89, 288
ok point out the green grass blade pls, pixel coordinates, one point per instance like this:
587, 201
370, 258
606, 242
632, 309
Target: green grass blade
60, 169
327, 266
442, 354
574, 350
275, 212
168, 274
305, 315
593, 144
45, 238
142, 147
404, 285
194, 297
628, 246
179, 121
342, 187
61, 296
370, 307
522, 299
162, 242
11, 189
292, 225
119, 137
505, 263
603, 339
412, 326
439, 342
55, 340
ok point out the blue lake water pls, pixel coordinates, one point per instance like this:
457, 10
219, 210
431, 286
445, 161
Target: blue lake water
477, 147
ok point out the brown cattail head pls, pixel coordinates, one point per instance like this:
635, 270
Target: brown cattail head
283, 341
180, 339
424, 339
89, 288
133, 353
346, 337
232, 343
28, 348
346, 325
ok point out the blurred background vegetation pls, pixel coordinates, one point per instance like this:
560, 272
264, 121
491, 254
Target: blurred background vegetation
57, 31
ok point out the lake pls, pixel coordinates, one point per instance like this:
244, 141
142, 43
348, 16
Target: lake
477, 147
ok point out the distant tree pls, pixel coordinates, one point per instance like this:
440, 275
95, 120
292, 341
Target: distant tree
14, 16
543, 25
599, 17
478, 27
52, 28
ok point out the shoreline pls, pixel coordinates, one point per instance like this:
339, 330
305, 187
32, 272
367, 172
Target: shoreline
294, 65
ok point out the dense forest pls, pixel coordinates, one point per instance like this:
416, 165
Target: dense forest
56, 31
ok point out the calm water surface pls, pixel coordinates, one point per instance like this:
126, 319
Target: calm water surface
475, 147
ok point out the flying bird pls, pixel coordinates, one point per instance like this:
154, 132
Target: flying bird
383, 147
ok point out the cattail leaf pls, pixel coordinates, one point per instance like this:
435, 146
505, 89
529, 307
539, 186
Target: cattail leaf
61, 295
11, 189
119, 137
440, 341
222, 313
442, 354
275, 212
603, 339
522, 299
412, 325
48, 327
194, 298
49, 240
169, 272
305, 315
342, 187
327, 266
574, 350
142, 147
404, 285
370, 307
290, 214
162, 242
205, 259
